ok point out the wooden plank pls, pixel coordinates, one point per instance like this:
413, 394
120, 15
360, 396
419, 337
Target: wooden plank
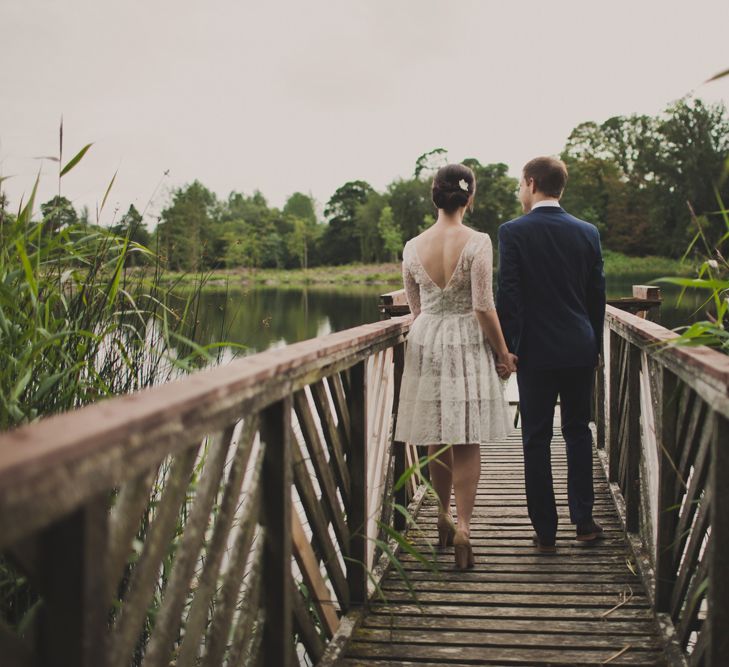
616, 400
215, 550
333, 440
145, 575
595, 627
447, 654
481, 637
692, 557
168, 620
600, 403
633, 443
124, 523
234, 574
312, 577
318, 526
702, 465
718, 595
304, 626
276, 517
324, 474
74, 583
398, 448
250, 618
667, 510
336, 389
357, 515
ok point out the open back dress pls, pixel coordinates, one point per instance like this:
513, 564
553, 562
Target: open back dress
450, 392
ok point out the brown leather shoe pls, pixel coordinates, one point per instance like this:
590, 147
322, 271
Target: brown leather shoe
589, 531
544, 546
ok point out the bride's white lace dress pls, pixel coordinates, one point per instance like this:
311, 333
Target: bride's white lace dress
450, 390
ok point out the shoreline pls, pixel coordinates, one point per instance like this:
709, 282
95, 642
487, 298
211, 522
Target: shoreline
616, 265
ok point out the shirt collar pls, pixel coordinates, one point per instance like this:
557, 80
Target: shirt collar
546, 202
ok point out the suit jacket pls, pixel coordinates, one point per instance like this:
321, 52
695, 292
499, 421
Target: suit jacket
551, 297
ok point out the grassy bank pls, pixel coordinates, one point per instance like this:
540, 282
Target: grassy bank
616, 264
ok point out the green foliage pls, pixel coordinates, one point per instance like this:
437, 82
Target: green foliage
390, 234
58, 213
638, 177
339, 241
713, 280
495, 200
184, 228
132, 228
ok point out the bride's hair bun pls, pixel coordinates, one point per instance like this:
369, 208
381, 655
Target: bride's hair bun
453, 187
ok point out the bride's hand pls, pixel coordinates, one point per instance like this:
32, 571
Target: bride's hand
506, 365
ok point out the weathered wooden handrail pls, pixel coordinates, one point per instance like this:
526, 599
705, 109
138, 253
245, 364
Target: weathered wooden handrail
263, 473
666, 428
645, 299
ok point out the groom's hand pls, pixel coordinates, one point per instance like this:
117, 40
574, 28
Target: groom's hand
506, 365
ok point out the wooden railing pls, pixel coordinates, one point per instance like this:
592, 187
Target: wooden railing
662, 418
665, 426
231, 515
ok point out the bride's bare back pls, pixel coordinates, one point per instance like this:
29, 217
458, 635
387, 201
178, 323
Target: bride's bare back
439, 250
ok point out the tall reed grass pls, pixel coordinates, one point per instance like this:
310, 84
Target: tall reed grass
76, 327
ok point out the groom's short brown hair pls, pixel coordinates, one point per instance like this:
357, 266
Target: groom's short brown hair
549, 175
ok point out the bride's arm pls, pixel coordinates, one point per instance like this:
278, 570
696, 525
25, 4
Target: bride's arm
491, 327
412, 289
483, 305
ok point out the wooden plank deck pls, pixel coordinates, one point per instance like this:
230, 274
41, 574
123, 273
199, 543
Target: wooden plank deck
584, 605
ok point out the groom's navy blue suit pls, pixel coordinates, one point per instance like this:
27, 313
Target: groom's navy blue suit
551, 304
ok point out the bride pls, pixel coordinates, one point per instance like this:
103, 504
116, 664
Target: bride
451, 398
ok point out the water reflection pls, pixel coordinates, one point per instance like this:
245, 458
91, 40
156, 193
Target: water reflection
265, 317
268, 317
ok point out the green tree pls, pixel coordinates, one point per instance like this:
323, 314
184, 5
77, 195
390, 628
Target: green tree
57, 214
339, 242
131, 226
635, 176
496, 200
390, 234
411, 203
185, 229
305, 231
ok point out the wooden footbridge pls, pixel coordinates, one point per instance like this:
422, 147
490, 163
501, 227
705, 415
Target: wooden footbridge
259, 514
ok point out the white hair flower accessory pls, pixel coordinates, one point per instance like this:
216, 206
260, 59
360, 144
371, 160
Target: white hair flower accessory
463, 185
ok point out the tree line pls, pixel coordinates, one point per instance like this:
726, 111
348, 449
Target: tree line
648, 182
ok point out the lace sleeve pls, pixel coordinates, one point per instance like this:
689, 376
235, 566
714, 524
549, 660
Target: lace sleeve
482, 294
412, 289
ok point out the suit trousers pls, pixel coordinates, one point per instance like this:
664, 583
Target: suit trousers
538, 392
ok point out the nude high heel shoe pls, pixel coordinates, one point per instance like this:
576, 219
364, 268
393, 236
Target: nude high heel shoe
463, 550
446, 530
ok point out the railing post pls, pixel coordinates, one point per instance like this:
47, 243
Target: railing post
667, 510
276, 519
631, 492
357, 517
614, 407
599, 403
718, 591
401, 495
74, 583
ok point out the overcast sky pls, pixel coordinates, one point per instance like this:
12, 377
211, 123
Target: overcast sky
306, 95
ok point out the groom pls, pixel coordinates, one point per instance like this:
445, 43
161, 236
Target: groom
551, 303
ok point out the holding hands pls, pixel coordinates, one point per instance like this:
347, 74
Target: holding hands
506, 365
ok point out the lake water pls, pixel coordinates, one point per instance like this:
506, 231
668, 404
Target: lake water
265, 317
